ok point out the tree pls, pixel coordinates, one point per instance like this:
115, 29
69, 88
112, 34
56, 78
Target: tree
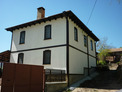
102, 44
103, 50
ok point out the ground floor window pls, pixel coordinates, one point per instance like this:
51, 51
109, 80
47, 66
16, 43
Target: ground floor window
47, 57
20, 58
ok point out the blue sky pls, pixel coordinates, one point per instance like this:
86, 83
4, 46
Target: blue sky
106, 19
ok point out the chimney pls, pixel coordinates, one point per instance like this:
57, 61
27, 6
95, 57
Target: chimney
40, 13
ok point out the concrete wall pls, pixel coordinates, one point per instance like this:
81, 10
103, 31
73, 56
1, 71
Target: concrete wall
58, 87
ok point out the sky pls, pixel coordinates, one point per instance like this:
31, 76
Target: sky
105, 22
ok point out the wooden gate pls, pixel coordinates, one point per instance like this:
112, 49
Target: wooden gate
22, 78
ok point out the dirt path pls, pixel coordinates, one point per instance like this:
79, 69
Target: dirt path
107, 81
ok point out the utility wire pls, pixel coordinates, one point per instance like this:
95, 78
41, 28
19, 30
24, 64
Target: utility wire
91, 12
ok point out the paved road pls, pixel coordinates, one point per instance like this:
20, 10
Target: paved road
107, 81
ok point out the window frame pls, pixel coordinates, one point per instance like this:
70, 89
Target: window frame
75, 34
45, 37
44, 56
20, 55
91, 44
22, 39
85, 40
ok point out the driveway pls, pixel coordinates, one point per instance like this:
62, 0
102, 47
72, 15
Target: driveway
106, 81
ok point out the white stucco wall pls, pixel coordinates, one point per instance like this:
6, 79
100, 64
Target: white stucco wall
91, 52
35, 57
80, 43
34, 37
77, 61
92, 62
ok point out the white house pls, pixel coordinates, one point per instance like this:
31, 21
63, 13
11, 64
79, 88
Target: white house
59, 41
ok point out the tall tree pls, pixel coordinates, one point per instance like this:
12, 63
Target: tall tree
103, 49
102, 44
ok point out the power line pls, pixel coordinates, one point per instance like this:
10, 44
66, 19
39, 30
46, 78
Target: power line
91, 12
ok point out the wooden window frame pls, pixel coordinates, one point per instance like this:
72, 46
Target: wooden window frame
75, 34
85, 40
45, 37
91, 44
44, 53
21, 34
19, 56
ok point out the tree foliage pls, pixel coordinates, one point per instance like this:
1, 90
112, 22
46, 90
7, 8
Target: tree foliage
103, 49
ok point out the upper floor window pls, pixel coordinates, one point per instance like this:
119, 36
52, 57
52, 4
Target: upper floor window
85, 40
91, 45
47, 57
20, 58
75, 34
47, 34
22, 37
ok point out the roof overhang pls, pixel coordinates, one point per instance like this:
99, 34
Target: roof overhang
69, 14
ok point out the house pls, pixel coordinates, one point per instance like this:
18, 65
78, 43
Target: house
115, 55
60, 42
5, 56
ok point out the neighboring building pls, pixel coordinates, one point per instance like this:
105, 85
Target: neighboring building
60, 42
115, 55
4, 57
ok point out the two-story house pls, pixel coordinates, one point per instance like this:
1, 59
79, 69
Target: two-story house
59, 41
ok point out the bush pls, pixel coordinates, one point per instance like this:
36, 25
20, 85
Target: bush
101, 62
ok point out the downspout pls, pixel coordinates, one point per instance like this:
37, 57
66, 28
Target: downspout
95, 53
67, 47
88, 55
11, 45
11, 41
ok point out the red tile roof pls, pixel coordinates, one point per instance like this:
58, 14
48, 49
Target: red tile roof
116, 50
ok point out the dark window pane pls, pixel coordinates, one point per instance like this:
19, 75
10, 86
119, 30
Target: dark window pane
47, 57
48, 32
75, 34
85, 41
22, 37
20, 58
91, 45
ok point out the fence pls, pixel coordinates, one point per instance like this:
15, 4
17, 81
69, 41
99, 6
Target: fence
22, 78
53, 75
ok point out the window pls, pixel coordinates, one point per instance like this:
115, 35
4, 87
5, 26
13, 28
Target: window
22, 37
85, 40
20, 58
47, 34
47, 57
91, 45
75, 34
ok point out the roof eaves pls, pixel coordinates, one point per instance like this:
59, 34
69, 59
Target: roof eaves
76, 20
69, 13
35, 22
